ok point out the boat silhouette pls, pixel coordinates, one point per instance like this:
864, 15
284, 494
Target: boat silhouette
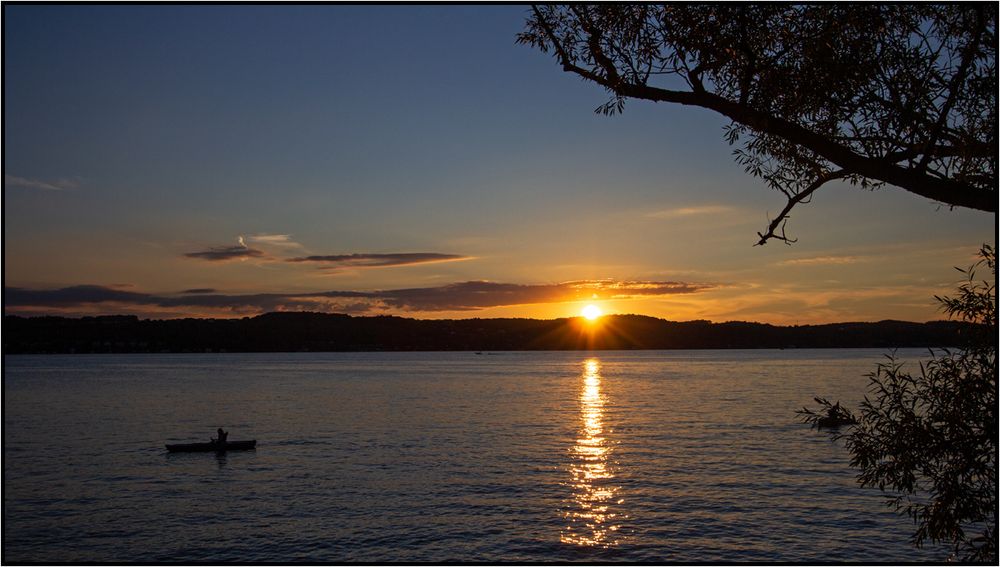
212, 447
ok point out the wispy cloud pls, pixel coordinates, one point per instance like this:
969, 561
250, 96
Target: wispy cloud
462, 296
58, 185
279, 240
474, 295
691, 211
227, 253
821, 261
278, 248
343, 261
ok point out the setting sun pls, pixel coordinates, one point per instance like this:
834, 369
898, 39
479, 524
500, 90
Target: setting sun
591, 312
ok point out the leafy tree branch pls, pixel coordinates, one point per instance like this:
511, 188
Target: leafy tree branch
898, 94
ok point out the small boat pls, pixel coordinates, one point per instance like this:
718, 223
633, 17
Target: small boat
213, 447
834, 422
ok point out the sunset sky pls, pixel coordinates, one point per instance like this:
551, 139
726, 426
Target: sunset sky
223, 161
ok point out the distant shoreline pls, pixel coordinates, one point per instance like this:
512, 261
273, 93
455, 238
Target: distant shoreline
318, 332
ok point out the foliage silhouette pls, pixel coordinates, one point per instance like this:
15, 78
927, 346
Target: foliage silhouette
869, 94
929, 440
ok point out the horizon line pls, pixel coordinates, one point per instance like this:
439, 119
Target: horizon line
394, 316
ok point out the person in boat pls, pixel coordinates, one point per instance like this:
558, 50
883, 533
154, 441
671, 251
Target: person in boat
222, 435
833, 413
836, 416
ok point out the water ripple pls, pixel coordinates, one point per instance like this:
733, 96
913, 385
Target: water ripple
413, 457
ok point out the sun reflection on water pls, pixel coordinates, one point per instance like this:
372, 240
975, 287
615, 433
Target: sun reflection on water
591, 520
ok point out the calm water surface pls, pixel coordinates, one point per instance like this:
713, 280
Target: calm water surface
600, 456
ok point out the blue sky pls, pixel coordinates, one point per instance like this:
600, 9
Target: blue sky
135, 136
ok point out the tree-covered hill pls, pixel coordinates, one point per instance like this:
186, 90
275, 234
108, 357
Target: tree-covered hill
293, 332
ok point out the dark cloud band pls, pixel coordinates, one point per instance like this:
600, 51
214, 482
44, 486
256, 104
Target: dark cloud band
224, 253
462, 296
379, 260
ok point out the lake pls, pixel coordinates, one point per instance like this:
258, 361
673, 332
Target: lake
440, 456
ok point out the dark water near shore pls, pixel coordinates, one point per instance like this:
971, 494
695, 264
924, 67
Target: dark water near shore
541, 456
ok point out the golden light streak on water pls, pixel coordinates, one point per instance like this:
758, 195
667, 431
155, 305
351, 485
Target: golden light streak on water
591, 521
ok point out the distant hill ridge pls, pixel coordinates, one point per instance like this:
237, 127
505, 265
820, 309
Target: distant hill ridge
320, 332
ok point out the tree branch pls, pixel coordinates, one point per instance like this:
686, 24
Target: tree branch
956, 83
950, 192
795, 199
561, 54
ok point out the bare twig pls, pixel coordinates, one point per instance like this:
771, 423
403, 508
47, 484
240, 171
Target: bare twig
782, 218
